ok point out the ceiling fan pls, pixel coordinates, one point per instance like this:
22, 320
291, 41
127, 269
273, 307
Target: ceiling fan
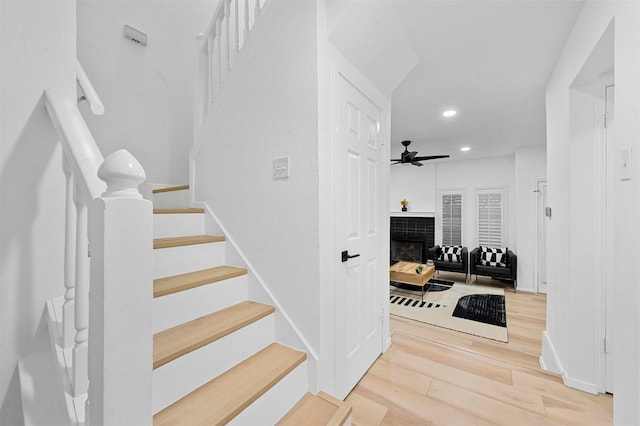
410, 157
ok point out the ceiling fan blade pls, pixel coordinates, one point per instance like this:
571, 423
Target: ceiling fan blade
416, 163
410, 156
396, 162
396, 159
430, 157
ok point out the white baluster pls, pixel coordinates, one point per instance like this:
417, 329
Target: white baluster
227, 35
218, 53
68, 325
211, 67
80, 378
236, 41
256, 11
246, 21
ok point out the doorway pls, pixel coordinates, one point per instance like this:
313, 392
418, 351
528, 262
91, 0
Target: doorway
541, 240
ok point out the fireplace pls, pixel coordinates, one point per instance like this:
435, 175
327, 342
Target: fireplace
411, 238
407, 250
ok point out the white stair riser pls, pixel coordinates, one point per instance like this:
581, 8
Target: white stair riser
277, 401
179, 260
171, 199
178, 308
178, 225
183, 375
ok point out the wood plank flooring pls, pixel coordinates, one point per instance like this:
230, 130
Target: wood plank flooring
432, 375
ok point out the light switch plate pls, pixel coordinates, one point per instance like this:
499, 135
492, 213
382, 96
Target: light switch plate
281, 168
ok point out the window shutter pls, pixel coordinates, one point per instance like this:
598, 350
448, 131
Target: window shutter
451, 219
490, 218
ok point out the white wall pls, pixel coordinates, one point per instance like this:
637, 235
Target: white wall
273, 113
531, 165
37, 42
421, 185
572, 339
415, 184
148, 92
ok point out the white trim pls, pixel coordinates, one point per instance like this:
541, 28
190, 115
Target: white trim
549, 360
538, 210
579, 384
229, 239
412, 214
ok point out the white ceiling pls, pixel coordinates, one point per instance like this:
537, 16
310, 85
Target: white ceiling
490, 61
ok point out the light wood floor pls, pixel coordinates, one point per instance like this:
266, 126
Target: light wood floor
432, 375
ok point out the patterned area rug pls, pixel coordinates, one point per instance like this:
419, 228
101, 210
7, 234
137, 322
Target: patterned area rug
473, 310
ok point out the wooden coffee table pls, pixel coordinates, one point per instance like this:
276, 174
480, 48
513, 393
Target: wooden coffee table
405, 273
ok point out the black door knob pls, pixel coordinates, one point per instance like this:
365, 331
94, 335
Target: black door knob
346, 256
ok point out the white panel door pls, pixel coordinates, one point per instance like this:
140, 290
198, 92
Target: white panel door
360, 279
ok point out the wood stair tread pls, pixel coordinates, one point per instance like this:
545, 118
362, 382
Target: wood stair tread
184, 338
160, 243
170, 189
223, 398
177, 283
178, 211
321, 409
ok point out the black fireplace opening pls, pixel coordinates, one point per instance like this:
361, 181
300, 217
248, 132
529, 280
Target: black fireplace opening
407, 250
411, 238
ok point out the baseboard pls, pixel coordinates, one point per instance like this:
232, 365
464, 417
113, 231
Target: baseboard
549, 360
579, 384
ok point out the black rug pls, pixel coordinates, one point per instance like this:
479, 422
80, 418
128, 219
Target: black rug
486, 308
431, 285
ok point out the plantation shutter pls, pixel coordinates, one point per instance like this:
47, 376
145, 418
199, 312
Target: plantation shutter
490, 218
451, 215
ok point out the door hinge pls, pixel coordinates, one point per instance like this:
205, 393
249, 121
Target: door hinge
606, 120
606, 345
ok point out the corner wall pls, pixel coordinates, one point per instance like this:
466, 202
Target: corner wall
148, 91
273, 113
576, 344
38, 51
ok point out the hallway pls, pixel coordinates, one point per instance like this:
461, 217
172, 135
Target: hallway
432, 375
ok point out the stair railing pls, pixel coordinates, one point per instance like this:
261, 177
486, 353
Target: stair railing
106, 314
227, 34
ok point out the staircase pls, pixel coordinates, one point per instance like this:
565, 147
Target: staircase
215, 358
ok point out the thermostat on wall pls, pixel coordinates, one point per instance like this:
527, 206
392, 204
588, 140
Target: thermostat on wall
134, 35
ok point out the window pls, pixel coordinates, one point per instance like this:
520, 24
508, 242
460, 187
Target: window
451, 218
491, 217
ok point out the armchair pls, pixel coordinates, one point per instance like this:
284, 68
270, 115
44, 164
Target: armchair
508, 272
451, 266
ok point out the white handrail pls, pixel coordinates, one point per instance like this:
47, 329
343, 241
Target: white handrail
90, 94
108, 270
79, 146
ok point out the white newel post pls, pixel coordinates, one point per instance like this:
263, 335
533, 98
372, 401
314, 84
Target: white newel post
120, 337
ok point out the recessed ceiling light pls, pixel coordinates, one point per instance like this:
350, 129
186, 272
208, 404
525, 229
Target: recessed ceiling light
465, 148
449, 113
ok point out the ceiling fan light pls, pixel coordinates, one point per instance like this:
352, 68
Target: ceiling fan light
465, 149
449, 113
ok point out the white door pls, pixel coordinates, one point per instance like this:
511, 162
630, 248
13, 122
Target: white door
541, 275
358, 219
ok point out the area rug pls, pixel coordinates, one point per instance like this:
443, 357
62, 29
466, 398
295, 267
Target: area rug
473, 310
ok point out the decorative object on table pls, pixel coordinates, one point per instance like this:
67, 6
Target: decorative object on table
419, 269
404, 203
475, 310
